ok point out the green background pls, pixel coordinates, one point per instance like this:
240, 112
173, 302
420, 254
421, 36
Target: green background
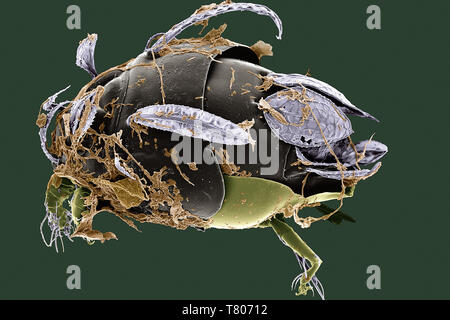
399, 74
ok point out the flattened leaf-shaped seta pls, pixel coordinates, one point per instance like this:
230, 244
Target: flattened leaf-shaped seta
344, 104
190, 122
215, 10
348, 174
85, 54
308, 124
321, 156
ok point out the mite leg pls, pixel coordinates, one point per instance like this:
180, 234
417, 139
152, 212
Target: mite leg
304, 264
290, 238
58, 191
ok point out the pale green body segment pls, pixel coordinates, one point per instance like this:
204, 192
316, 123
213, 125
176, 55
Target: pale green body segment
254, 202
250, 201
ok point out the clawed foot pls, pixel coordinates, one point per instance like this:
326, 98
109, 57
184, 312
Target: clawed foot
303, 285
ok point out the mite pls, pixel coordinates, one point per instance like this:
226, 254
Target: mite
195, 133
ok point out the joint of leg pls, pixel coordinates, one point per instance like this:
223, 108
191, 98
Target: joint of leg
315, 264
317, 260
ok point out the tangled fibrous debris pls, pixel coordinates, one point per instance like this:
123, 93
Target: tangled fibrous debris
121, 186
307, 113
304, 115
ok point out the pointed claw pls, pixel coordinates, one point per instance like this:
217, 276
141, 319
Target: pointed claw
344, 104
190, 122
306, 128
211, 12
304, 265
295, 281
85, 54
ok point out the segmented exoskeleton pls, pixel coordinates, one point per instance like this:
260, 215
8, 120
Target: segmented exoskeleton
116, 144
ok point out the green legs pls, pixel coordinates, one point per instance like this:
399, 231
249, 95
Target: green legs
250, 201
60, 220
292, 240
58, 191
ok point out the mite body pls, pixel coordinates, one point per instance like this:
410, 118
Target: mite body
116, 146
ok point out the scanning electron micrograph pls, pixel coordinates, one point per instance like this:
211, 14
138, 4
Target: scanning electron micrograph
195, 133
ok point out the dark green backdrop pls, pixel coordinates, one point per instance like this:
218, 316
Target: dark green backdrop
398, 73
